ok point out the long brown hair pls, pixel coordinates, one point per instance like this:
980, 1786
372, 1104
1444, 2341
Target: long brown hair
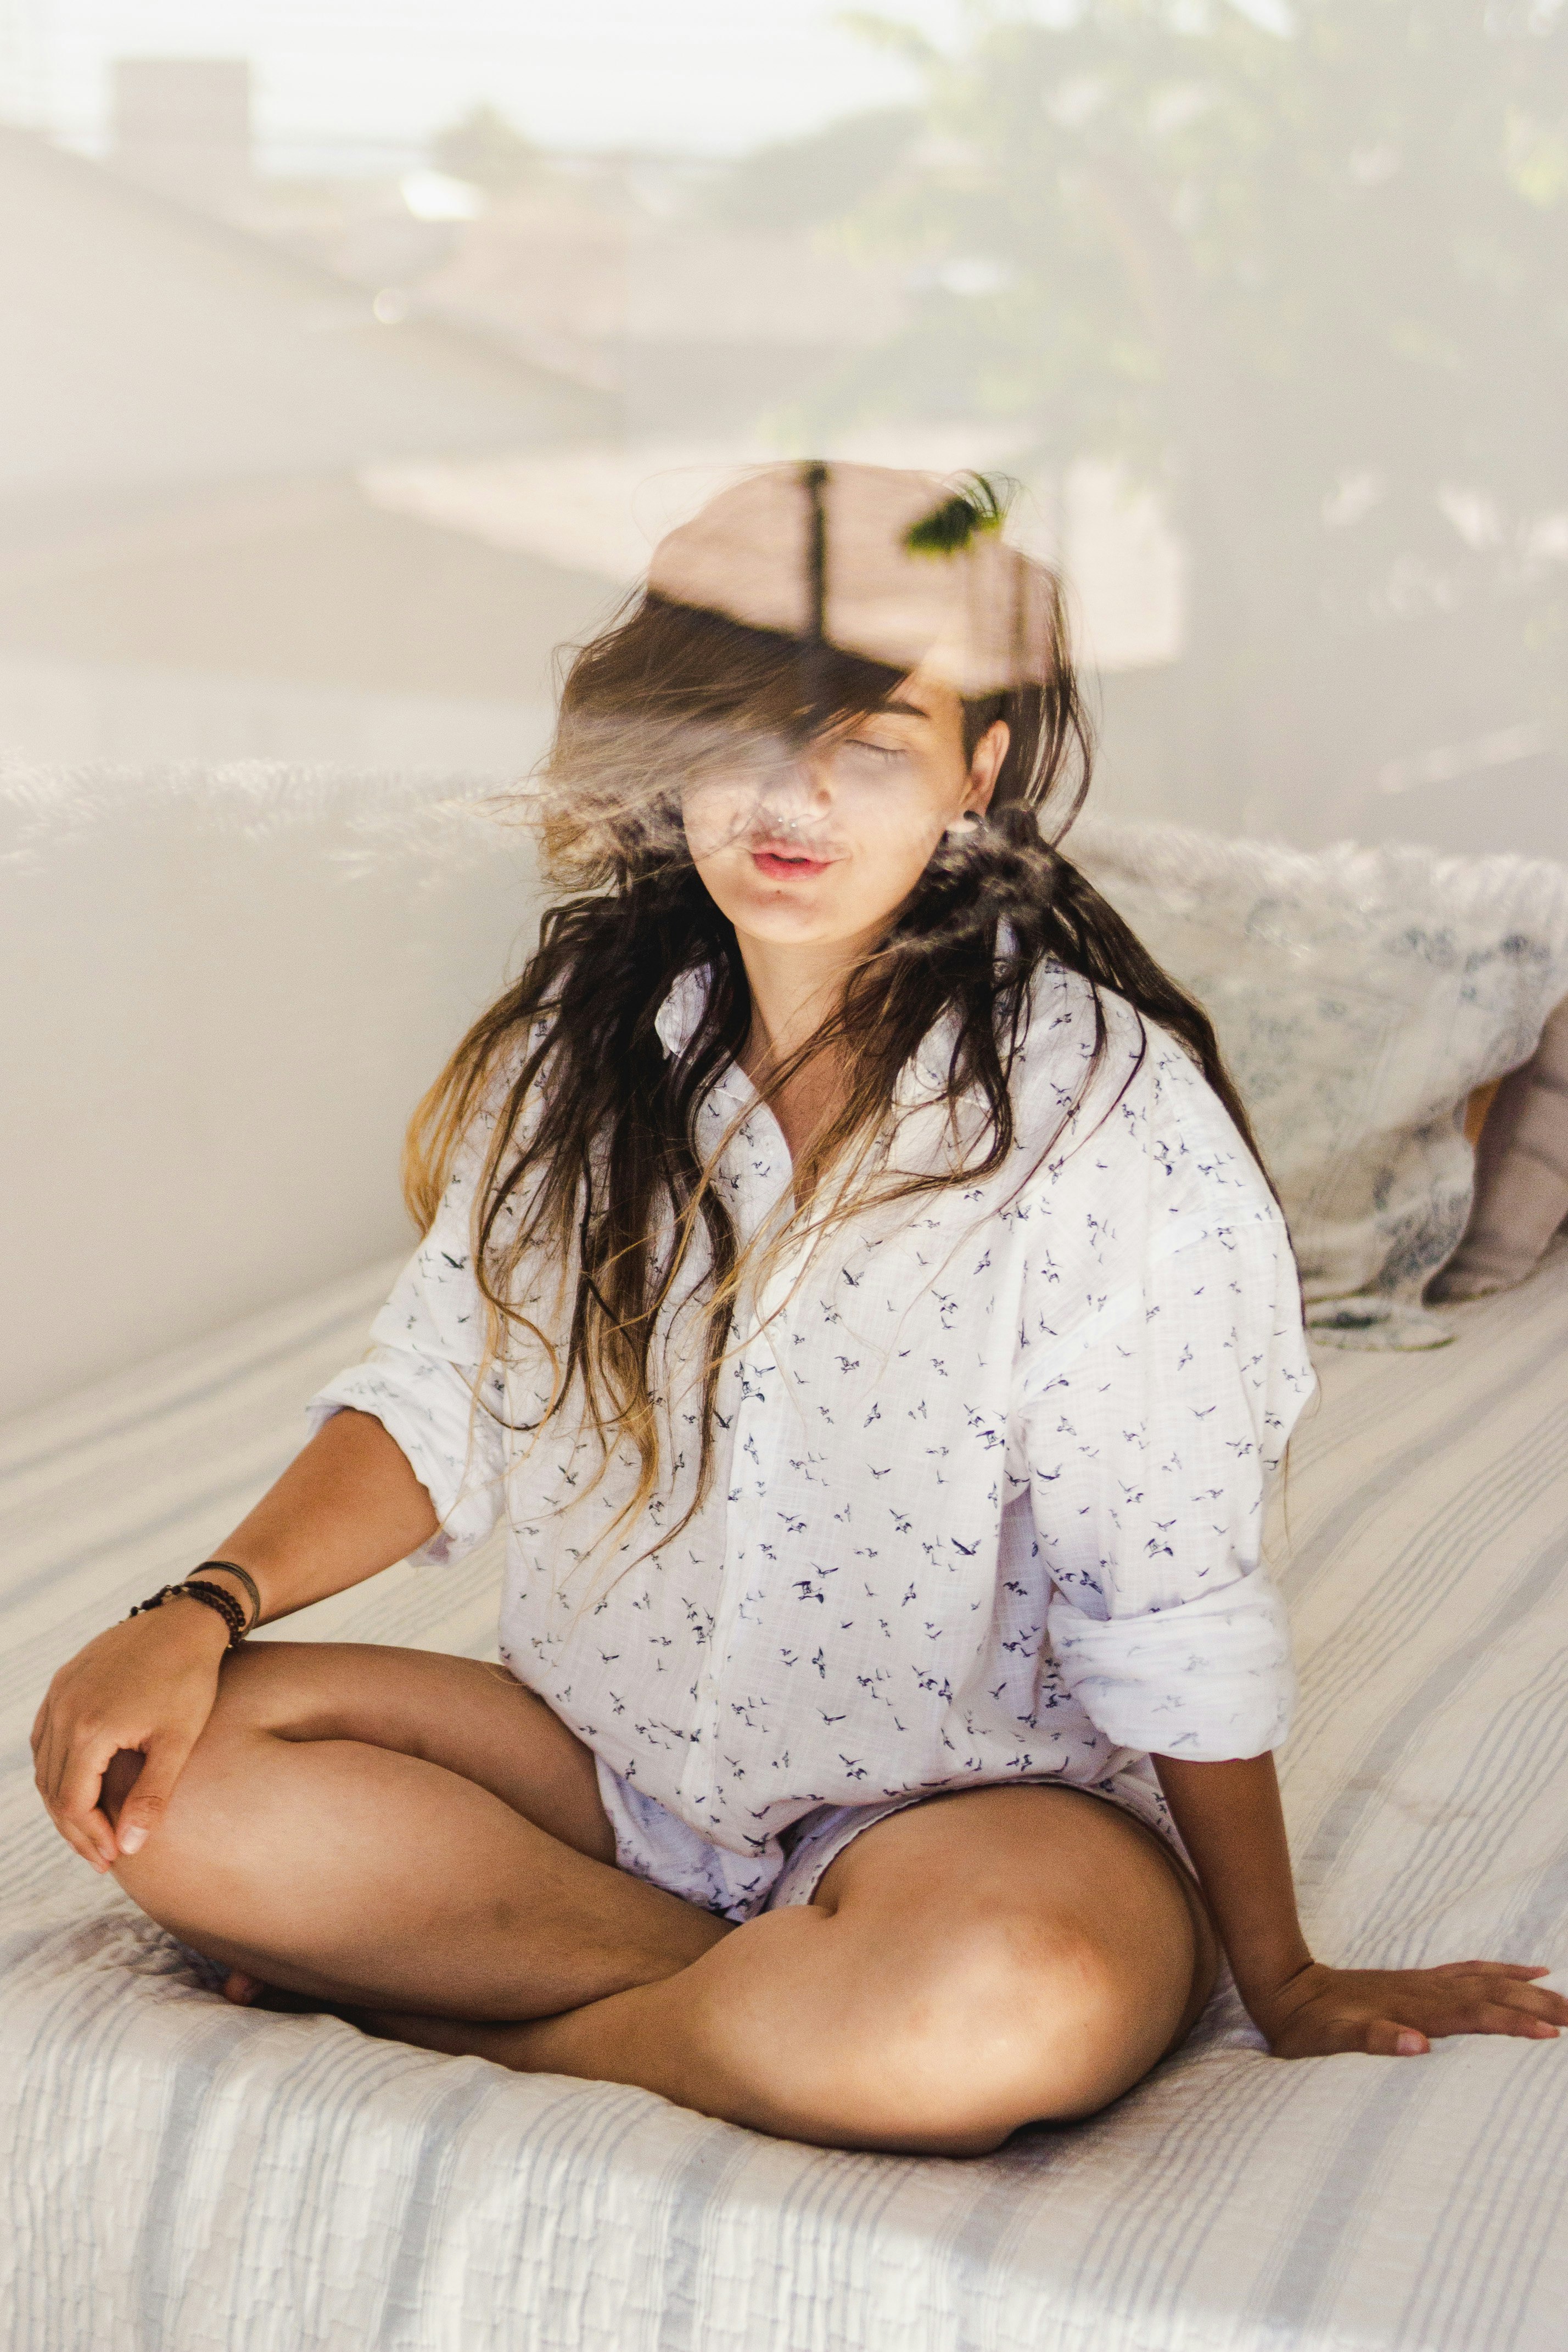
592, 1166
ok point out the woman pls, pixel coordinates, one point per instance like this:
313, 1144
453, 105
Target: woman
848, 1274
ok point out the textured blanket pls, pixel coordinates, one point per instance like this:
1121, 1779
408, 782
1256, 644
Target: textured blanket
185, 2175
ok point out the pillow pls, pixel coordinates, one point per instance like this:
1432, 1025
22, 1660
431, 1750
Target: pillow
1360, 995
1522, 1174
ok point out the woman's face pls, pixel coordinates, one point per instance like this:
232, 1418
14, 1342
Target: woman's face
824, 851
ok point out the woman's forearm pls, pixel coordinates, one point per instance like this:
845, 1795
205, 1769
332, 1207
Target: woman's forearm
1232, 1824
348, 1506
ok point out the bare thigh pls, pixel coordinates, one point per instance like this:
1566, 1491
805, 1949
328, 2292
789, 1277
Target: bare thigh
1063, 1856
975, 1963
469, 1717
358, 1824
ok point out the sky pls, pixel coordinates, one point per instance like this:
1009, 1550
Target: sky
692, 76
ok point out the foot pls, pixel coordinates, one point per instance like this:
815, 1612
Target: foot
457, 2037
251, 1992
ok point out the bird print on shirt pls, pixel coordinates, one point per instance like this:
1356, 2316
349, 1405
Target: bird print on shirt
989, 1473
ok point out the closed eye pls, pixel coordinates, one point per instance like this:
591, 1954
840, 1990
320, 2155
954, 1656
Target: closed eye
877, 753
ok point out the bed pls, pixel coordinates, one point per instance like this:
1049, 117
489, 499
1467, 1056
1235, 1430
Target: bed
186, 2175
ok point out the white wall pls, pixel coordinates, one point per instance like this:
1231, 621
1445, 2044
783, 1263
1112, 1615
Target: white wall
64, 714
221, 993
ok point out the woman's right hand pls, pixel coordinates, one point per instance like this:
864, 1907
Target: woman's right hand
147, 1684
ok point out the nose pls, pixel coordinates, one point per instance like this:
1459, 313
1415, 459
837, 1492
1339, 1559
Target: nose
796, 793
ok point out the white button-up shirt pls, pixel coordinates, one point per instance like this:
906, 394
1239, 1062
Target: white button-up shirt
989, 1467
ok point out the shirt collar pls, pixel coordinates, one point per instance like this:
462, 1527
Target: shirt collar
923, 1078
675, 1023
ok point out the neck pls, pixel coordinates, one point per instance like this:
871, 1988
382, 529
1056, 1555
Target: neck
796, 990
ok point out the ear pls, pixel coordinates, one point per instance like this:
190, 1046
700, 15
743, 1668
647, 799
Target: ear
987, 765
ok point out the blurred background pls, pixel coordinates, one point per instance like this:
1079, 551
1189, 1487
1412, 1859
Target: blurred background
352, 352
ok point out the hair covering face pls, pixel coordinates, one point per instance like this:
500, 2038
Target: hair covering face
895, 566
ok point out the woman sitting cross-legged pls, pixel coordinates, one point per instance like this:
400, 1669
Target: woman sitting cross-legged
848, 1274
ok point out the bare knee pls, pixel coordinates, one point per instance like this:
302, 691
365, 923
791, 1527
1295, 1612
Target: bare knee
264, 1696
196, 1832
1012, 2024
941, 2042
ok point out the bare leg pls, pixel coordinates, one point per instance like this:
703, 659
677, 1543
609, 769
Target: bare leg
366, 1824
981, 1961
417, 1834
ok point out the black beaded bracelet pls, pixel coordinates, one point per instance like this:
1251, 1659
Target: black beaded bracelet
211, 1595
233, 1568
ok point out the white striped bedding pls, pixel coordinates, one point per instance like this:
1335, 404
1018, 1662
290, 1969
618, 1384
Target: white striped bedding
184, 2176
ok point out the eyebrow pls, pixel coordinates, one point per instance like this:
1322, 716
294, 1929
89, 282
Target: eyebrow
898, 709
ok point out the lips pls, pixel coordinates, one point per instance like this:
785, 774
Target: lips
781, 864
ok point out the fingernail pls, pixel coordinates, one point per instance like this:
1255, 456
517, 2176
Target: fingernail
132, 1841
1410, 2045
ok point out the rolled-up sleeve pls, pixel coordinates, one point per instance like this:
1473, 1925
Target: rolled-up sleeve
423, 1380
1208, 1678
1154, 1407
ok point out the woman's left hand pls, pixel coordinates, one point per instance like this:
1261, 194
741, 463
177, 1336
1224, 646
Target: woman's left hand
1400, 2012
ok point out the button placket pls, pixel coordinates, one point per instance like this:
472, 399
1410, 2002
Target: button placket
741, 1520
754, 1156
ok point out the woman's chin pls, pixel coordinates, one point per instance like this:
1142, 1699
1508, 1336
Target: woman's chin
761, 917
802, 914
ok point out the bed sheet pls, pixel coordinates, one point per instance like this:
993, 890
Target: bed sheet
186, 2177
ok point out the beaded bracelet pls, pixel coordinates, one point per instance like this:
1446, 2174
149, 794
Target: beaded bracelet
211, 1595
232, 1567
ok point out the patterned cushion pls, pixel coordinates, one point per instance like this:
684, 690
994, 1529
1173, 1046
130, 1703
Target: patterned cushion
1360, 995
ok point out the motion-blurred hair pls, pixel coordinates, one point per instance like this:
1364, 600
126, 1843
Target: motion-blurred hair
591, 1165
